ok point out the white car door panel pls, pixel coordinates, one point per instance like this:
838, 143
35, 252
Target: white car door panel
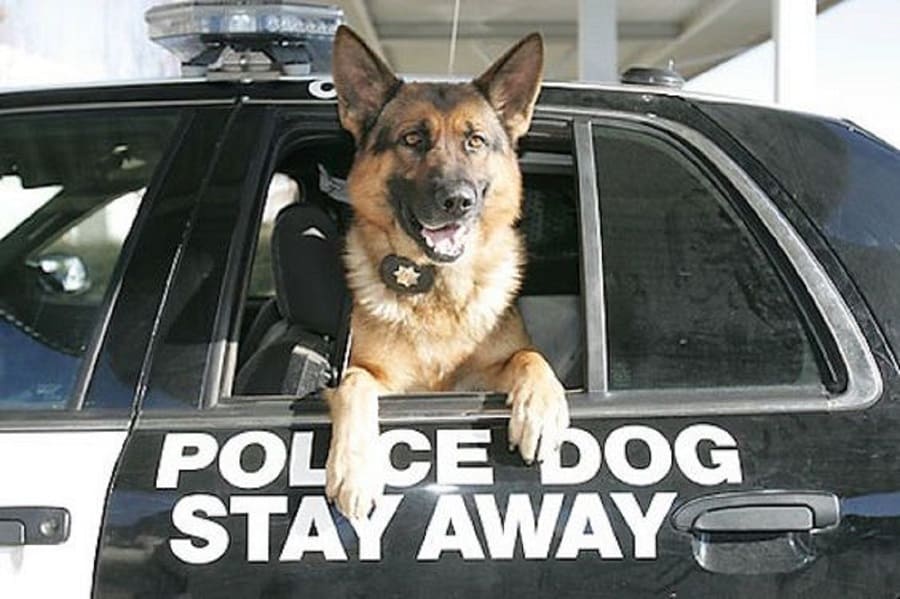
67, 470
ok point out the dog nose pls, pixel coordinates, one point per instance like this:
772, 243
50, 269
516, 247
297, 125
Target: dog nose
457, 200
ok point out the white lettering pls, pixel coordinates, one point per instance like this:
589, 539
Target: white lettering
417, 470
300, 470
519, 522
450, 455
258, 508
617, 455
586, 468
644, 527
312, 512
186, 520
370, 530
450, 511
173, 459
587, 510
274, 457
724, 456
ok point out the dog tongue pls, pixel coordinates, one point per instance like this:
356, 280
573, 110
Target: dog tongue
445, 240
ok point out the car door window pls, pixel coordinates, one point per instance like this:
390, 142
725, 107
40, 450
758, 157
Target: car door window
692, 298
70, 187
314, 175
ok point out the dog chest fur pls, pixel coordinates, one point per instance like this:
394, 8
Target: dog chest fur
437, 331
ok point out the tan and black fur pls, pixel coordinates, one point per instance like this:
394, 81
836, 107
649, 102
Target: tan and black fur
434, 159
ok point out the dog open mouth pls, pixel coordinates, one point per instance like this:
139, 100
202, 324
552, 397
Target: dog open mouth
441, 242
446, 242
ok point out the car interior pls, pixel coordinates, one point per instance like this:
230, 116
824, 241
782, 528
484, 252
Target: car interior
294, 334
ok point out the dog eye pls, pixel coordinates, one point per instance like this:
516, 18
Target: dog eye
476, 141
412, 139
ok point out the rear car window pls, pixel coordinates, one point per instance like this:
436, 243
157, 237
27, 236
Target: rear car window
70, 187
692, 299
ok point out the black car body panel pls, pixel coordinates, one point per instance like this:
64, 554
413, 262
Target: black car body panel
853, 560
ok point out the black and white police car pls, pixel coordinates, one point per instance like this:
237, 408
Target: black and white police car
717, 284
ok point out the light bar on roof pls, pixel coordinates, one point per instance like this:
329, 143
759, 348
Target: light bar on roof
244, 36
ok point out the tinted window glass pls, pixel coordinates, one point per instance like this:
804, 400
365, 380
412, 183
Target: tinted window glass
692, 300
70, 186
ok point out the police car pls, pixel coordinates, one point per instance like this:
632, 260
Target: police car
717, 284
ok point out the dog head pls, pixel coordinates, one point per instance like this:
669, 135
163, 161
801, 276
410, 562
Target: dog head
435, 168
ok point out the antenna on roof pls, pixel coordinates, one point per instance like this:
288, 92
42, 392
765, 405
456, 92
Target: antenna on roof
454, 33
666, 77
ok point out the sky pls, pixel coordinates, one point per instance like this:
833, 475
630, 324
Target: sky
857, 68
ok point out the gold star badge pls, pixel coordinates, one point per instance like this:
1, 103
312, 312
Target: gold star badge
406, 276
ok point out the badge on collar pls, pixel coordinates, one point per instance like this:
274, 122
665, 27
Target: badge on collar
403, 275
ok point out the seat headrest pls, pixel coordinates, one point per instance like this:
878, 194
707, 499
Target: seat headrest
309, 276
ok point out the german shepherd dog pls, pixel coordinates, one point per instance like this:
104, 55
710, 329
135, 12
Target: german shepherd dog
433, 258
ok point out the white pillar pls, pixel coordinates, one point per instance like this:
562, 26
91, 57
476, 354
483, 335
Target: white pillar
598, 58
794, 33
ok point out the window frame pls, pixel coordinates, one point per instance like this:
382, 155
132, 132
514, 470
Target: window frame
864, 384
290, 135
287, 133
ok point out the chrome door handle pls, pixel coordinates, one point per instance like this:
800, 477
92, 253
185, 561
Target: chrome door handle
34, 526
756, 532
758, 511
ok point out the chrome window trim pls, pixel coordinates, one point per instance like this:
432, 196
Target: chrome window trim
592, 284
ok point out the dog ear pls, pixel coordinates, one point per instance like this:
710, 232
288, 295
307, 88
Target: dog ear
363, 82
512, 83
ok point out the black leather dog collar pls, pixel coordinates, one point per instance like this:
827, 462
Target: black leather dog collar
403, 275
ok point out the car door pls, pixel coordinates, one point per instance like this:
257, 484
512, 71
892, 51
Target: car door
77, 187
730, 432
761, 397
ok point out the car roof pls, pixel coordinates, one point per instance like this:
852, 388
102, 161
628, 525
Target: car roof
212, 89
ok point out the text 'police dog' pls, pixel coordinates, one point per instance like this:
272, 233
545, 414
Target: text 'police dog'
433, 259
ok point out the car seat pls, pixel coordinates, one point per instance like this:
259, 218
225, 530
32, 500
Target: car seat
298, 340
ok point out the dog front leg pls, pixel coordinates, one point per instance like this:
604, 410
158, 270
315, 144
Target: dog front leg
354, 474
538, 402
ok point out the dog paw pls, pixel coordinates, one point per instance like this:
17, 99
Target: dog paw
354, 470
354, 477
540, 412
